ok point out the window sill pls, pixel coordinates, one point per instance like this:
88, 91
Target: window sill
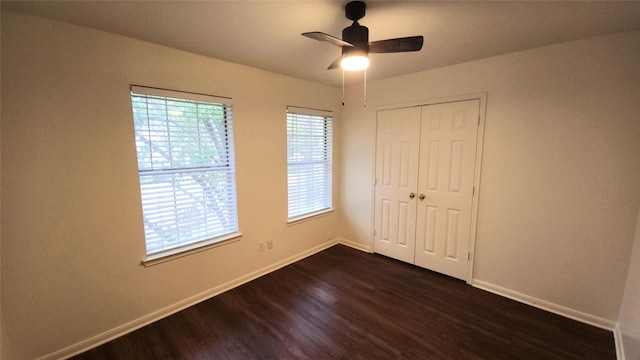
309, 216
186, 250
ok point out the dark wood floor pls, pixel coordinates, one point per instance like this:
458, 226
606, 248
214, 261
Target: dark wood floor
346, 304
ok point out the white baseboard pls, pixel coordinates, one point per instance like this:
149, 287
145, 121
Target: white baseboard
124, 329
355, 245
169, 310
617, 336
546, 305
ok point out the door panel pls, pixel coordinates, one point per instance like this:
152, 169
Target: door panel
397, 151
446, 172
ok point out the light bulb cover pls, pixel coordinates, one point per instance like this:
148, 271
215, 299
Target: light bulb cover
354, 63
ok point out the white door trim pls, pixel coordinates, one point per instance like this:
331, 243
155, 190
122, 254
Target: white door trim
482, 96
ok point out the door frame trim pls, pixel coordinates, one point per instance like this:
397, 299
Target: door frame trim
482, 96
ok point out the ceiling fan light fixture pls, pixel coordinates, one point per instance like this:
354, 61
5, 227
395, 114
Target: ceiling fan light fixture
354, 62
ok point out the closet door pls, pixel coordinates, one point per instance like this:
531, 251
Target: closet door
397, 150
445, 186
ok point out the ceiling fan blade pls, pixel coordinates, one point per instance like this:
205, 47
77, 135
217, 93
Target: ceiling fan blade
335, 64
411, 43
320, 36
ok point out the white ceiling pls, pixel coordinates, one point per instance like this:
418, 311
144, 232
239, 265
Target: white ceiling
266, 34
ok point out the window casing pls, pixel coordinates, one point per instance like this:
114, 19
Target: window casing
186, 165
309, 162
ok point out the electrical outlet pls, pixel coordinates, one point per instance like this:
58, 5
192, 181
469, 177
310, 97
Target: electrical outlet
270, 244
261, 246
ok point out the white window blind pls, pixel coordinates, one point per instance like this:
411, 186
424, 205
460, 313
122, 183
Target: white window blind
186, 165
309, 161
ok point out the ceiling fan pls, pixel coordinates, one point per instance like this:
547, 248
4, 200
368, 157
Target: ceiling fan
355, 41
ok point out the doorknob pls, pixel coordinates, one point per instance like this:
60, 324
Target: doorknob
412, 195
421, 197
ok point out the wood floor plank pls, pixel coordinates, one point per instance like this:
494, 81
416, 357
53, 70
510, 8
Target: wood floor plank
346, 304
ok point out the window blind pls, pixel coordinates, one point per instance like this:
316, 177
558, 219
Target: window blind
309, 161
186, 164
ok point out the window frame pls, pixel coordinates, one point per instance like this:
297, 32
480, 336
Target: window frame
228, 229
327, 118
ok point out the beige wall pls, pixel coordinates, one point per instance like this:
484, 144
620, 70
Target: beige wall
72, 234
558, 196
558, 199
629, 319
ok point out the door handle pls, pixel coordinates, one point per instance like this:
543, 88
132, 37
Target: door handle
421, 197
412, 195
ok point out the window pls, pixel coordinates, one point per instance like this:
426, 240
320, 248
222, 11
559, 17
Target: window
184, 143
309, 162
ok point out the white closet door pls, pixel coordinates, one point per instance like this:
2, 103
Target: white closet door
397, 149
445, 186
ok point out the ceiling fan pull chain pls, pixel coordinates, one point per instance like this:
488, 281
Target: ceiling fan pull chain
365, 88
342, 87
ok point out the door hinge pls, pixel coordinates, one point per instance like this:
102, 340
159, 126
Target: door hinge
468, 255
478, 120
473, 192
374, 232
375, 181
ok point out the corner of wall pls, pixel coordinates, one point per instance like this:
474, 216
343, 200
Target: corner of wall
355, 245
617, 337
627, 332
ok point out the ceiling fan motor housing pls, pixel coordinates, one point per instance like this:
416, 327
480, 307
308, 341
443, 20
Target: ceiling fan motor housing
357, 35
